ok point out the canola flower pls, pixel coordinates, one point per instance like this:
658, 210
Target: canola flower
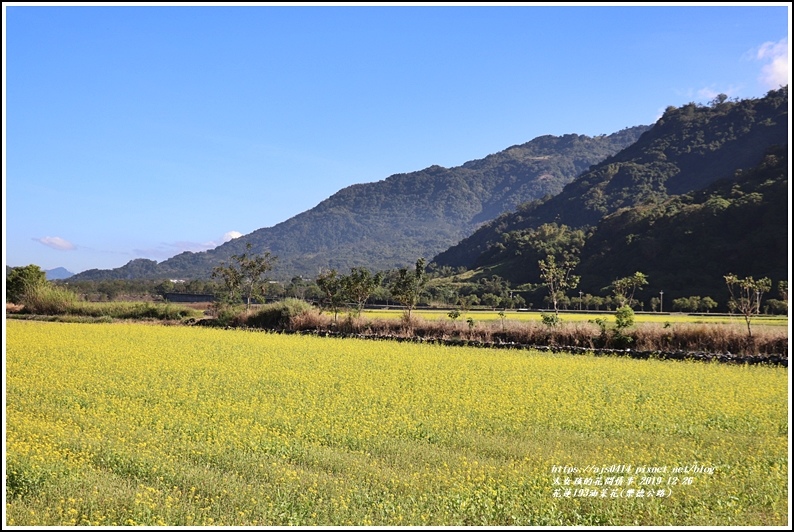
130, 424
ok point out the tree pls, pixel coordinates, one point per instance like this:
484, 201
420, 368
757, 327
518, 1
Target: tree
467, 302
297, 287
359, 285
22, 279
686, 304
558, 277
246, 277
408, 287
720, 99
782, 290
707, 304
624, 288
164, 287
746, 296
490, 299
332, 287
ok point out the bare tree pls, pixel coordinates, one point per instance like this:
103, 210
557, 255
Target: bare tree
558, 277
246, 277
746, 296
625, 288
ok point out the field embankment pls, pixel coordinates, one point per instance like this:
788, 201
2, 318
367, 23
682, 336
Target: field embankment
650, 335
721, 338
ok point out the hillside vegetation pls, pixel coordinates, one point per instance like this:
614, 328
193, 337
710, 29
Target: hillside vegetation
702, 194
688, 148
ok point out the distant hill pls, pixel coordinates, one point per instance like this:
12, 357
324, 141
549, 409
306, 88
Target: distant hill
689, 148
54, 274
57, 274
390, 223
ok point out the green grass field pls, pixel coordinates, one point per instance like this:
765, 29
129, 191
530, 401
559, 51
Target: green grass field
114, 424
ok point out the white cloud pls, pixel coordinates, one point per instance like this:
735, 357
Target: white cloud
707, 93
231, 235
56, 242
168, 249
777, 70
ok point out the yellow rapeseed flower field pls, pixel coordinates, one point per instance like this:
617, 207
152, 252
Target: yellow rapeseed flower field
130, 424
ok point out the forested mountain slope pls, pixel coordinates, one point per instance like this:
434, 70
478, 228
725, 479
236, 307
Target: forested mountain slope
685, 245
687, 149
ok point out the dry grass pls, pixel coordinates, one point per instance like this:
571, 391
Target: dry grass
694, 337
11, 308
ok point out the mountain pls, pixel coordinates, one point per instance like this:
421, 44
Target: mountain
687, 149
392, 222
58, 273
687, 244
51, 275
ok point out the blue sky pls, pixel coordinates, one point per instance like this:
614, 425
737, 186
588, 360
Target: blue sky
144, 131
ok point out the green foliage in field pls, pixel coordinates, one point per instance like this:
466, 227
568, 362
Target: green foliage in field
111, 424
47, 298
21, 279
125, 310
487, 315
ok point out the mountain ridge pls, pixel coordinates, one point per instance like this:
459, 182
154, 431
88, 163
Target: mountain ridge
687, 149
58, 273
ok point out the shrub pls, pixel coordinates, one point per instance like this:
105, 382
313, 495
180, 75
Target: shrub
624, 318
775, 306
550, 320
278, 315
22, 279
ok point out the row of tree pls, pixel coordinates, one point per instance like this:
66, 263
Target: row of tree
408, 287
245, 276
245, 279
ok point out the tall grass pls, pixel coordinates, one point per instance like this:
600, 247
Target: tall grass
52, 300
277, 315
48, 299
127, 310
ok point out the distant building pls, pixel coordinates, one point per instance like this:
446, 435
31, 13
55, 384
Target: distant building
176, 297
